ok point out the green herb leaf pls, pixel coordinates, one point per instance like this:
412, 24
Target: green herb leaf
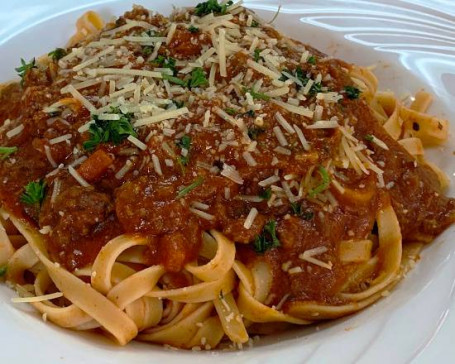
254, 132
369, 137
256, 95
197, 78
166, 62
34, 193
211, 6
324, 184
352, 92
266, 194
230, 111
184, 143
5, 152
250, 113
268, 239
311, 60
3, 270
57, 54
147, 50
254, 24
173, 79
105, 131
24, 68
193, 29
296, 208
178, 104
197, 182
257, 56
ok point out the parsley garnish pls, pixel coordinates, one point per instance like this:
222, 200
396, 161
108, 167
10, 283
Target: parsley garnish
173, 79
193, 29
299, 74
268, 239
352, 92
34, 193
184, 143
254, 132
3, 270
266, 194
7, 151
369, 137
211, 6
178, 104
166, 62
296, 208
57, 54
197, 78
254, 24
105, 131
197, 182
297, 211
311, 60
230, 111
256, 95
24, 68
147, 50
324, 184
257, 56
250, 113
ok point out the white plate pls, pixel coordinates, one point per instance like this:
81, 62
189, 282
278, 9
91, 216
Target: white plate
413, 44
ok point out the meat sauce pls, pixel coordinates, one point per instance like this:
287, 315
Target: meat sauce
83, 219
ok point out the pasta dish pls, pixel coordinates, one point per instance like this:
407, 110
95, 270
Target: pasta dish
199, 179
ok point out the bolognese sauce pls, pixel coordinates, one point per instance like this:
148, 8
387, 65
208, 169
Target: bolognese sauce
234, 153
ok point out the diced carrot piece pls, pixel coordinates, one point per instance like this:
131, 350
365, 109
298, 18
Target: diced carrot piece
95, 166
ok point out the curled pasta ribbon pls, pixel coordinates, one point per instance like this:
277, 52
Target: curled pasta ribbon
388, 259
101, 309
89, 24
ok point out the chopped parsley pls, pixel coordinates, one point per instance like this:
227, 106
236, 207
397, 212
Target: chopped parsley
196, 79
105, 131
267, 239
254, 132
197, 182
184, 143
369, 137
297, 211
323, 185
352, 92
256, 95
5, 152
254, 24
230, 111
211, 6
178, 104
173, 79
3, 270
193, 29
299, 74
166, 62
266, 194
257, 56
57, 54
34, 193
311, 60
147, 50
24, 68
250, 113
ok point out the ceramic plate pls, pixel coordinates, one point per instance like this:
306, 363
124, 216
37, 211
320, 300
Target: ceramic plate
412, 43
